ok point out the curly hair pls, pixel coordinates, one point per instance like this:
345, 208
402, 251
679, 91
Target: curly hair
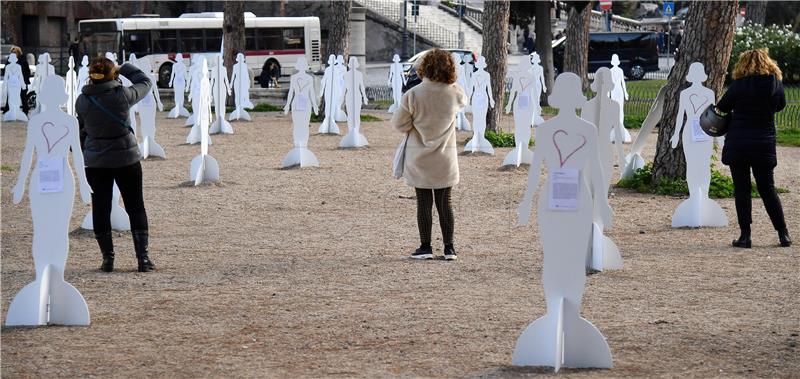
756, 62
437, 65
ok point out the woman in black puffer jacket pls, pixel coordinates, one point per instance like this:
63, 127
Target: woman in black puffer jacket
754, 97
112, 155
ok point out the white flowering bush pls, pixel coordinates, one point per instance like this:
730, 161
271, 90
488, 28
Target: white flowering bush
782, 42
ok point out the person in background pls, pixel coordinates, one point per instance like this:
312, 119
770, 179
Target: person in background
427, 113
754, 96
111, 153
274, 74
26, 76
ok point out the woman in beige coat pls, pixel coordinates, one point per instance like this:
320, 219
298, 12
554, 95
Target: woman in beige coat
427, 113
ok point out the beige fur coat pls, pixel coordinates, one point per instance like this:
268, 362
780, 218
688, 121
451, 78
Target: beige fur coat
428, 113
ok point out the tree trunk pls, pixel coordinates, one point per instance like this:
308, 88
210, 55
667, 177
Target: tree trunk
232, 36
495, 36
339, 30
756, 12
708, 39
576, 54
544, 43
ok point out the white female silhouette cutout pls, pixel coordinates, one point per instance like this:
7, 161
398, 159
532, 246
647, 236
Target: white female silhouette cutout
468, 67
396, 81
177, 80
329, 92
221, 87
195, 73
43, 70
620, 95
196, 134
698, 210
13, 83
83, 74
634, 160
538, 87
240, 81
355, 94
71, 79
147, 114
568, 146
521, 100
480, 99
299, 99
204, 168
51, 135
602, 112
461, 117
341, 82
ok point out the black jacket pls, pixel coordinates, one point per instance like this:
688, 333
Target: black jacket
754, 100
107, 143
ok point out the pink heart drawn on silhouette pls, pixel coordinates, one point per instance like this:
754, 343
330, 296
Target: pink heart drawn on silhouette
524, 83
54, 133
561, 158
697, 107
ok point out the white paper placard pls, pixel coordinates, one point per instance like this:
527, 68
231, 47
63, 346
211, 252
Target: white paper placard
51, 175
698, 135
563, 191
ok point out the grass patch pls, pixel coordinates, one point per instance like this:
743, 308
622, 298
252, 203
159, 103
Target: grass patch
721, 185
382, 103
789, 137
6, 168
502, 139
265, 107
634, 121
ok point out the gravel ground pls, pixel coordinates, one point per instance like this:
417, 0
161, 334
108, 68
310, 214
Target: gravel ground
304, 273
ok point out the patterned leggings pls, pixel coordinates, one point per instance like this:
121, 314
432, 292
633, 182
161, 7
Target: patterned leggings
444, 206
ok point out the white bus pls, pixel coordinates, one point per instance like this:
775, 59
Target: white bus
267, 39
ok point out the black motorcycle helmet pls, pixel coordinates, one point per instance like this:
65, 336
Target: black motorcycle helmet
714, 123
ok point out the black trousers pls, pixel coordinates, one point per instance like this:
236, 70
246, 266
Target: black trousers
129, 181
425, 200
765, 182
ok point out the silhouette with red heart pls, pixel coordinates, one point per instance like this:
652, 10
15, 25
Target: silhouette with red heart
52, 136
567, 145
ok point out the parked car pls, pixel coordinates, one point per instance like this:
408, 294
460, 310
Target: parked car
410, 66
637, 51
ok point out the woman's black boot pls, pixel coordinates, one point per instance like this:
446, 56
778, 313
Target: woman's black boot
744, 238
106, 243
140, 238
783, 236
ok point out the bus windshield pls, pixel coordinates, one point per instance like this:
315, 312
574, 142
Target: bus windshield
93, 44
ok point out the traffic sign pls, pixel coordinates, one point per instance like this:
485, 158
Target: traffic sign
605, 5
669, 9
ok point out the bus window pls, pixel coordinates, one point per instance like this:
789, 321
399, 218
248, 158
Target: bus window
191, 40
270, 39
293, 39
250, 39
165, 41
138, 42
213, 39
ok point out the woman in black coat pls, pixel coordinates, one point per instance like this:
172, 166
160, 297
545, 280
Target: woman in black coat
754, 97
112, 155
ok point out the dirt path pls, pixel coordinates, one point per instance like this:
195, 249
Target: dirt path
303, 273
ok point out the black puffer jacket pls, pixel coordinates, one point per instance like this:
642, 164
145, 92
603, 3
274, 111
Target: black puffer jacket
107, 143
754, 101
